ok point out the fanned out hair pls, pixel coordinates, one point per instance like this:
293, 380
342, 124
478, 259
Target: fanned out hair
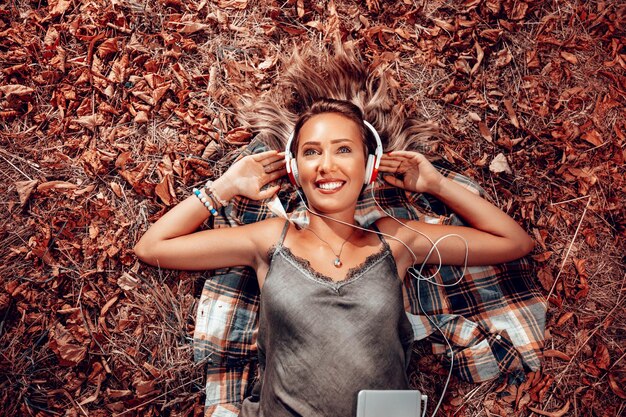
341, 76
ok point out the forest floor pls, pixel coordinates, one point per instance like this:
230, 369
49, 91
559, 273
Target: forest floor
110, 111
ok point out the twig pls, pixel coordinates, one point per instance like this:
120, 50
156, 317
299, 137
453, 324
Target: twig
16, 168
569, 249
569, 201
155, 398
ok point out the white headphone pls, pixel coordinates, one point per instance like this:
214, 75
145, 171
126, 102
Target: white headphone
371, 168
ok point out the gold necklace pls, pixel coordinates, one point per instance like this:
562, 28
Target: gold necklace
337, 262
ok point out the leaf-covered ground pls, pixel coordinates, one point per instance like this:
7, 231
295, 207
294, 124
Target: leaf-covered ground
110, 111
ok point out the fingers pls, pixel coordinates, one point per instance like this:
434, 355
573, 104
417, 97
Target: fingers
389, 165
273, 176
393, 181
268, 192
273, 166
268, 156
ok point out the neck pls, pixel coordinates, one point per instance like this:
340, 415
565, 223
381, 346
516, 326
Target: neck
332, 224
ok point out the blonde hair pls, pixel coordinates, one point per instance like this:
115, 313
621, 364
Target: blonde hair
341, 75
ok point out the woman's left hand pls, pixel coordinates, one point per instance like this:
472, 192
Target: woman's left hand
410, 171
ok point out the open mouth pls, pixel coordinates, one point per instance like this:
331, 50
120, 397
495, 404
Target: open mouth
329, 185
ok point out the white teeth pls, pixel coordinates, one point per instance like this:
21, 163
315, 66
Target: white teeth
330, 185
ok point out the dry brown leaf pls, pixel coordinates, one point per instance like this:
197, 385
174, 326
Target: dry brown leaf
564, 318
59, 7
504, 57
108, 47
558, 413
59, 185
68, 351
602, 359
127, 282
500, 164
474, 116
25, 189
300, 8
162, 190
117, 189
571, 58
479, 58
191, 27
16, 90
511, 112
553, 353
444, 25
91, 122
616, 386
233, 4
484, 131
593, 137
542, 257
545, 278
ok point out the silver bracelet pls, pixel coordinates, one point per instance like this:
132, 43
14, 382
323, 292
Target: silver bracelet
209, 186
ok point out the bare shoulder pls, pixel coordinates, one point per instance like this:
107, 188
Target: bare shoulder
401, 237
393, 227
266, 233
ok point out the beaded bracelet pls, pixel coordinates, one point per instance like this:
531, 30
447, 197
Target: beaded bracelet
204, 201
209, 186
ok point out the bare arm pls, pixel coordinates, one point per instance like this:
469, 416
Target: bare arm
173, 242
493, 237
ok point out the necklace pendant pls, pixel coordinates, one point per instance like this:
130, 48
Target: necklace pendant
337, 263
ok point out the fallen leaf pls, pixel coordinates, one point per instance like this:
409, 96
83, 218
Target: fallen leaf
553, 353
163, 190
601, 356
558, 413
593, 137
484, 131
616, 386
300, 8
59, 185
564, 318
233, 4
500, 164
59, 7
127, 282
511, 112
25, 189
571, 58
16, 90
542, 257
65, 346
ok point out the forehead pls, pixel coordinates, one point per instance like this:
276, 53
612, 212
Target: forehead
329, 126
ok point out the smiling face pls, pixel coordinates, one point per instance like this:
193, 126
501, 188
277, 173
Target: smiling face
331, 162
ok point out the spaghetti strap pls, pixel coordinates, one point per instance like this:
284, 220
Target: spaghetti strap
284, 233
379, 234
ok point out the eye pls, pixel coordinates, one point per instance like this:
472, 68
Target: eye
344, 149
309, 152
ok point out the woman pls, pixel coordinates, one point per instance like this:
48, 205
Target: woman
315, 350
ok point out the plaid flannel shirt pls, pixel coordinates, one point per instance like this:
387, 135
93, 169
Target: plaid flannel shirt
494, 318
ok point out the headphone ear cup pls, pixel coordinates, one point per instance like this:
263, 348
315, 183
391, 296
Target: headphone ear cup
294, 171
369, 168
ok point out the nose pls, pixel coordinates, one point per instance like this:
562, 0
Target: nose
327, 162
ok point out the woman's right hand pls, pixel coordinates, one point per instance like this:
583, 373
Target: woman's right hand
250, 174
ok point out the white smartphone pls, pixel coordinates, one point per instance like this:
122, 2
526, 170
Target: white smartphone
390, 403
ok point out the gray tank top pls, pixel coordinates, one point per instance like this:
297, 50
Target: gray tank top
321, 342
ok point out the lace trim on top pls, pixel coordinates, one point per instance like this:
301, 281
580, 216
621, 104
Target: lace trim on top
352, 274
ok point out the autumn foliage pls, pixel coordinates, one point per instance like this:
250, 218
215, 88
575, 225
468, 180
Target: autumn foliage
111, 111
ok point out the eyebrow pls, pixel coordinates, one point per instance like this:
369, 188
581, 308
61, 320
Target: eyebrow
314, 142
